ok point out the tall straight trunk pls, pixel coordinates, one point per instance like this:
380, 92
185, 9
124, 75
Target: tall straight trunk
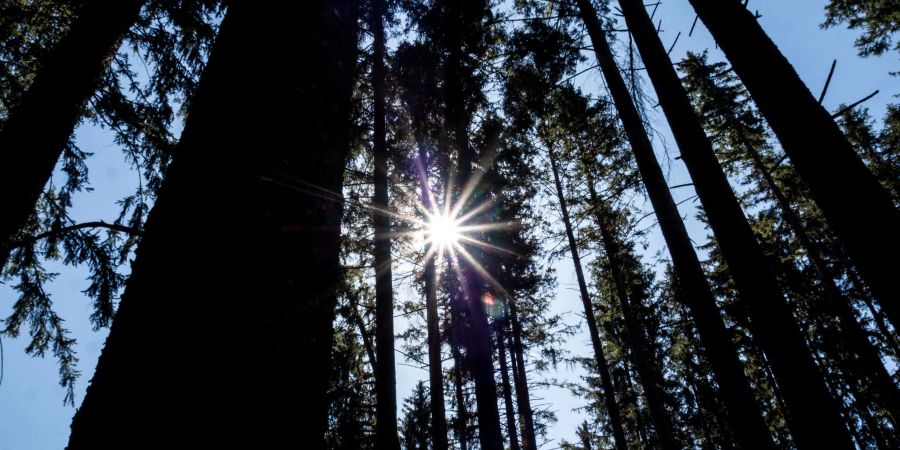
38, 128
435, 366
609, 395
461, 409
480, 346
856, 206
385, 372
866, 362
744, 414
647, 375
814, 416
520, 377
507, 389
224, 334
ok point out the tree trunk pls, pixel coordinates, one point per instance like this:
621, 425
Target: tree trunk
385, 373
856, 206
745, 416
224, 333
609, 395
479, 344
507, 390
639, 347
461, 409
520, 377
38, 128
867, 362
813, 414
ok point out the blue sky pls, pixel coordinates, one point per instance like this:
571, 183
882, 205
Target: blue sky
32, 415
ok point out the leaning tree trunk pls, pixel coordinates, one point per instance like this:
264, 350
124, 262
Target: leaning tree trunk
385, 372
609, 395
648, 376
813, 414
744, 414
856, 206
38, 128
223, 337
865, 362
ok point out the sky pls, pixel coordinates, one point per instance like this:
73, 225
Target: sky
32, 413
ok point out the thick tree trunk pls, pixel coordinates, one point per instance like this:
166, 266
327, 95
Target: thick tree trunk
224, 333
520, 378
507, 390
609, 395
38, 128
856, 206
647, 375
745, 416
865, 361
385, 373
813, 414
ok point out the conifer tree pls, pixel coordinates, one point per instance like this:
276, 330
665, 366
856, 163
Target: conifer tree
252, 301
858, 209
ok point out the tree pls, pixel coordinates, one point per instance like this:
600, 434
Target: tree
37, 130
745, 417
858, 208
813, 414
271, 243
385, 374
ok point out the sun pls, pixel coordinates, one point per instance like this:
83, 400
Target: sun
442, 230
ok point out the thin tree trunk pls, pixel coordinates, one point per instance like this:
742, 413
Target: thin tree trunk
461, 409
813, 414
640, 349
223, 339
507, 391
744, 414
523, 396
385, 373
855, 204
38, 128
435, 366
609, 395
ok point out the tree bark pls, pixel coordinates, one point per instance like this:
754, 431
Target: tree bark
38, 127
855, 205
745, 416
386, 437
609, 395
813, 414
223, 340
